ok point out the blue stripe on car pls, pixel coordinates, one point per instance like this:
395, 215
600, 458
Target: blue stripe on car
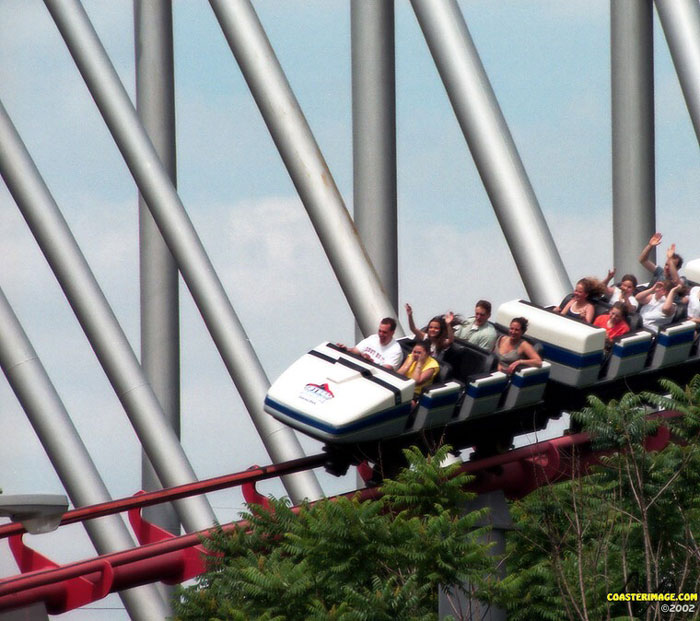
523, 381
369, 421
677, 338
570, 358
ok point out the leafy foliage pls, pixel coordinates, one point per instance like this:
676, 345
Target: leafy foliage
346, 559
631, 525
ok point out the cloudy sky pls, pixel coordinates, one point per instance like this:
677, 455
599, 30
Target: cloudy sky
548, 61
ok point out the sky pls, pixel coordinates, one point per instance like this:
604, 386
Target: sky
549, 65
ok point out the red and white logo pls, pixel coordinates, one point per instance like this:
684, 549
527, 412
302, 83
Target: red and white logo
316, 393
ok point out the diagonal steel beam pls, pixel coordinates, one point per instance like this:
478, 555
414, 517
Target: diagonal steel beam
680, 20
61, 441
169, 213
493, 149
96, 319
304, 161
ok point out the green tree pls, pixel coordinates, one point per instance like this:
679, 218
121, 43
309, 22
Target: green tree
631, 525
347, 559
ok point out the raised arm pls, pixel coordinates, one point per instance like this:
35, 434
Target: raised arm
606, 282
644, 296
412, 324
669, 306
449, 339
644, 257
625, 299
672, 269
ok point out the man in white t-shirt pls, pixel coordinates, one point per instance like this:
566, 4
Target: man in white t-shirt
380, 348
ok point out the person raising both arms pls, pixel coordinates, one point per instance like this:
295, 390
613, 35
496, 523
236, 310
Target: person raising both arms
669, 271
439, 331
624, 293
513, 351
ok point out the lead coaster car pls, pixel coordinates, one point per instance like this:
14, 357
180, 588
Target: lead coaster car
335, 396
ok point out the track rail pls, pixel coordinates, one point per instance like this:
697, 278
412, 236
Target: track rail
147, 499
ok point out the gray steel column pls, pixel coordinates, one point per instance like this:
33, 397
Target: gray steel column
67, 453
304, 162
459, 605
493, 150
169, 213
680, 20
160, 316
374, 136
632, 76
98, 321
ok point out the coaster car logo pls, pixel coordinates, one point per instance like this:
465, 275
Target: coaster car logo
316, 393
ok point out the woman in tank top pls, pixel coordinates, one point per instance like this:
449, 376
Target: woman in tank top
580, 306
513, 351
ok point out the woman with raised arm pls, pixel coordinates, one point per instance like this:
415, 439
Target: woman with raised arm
439, 331
624, 293
513, 351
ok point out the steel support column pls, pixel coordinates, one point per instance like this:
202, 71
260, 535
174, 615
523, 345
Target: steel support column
374, 136
61, 441
456, 604
304, 161
169, 213
97, 320
680, 20
493, 150
160, 317
632, 81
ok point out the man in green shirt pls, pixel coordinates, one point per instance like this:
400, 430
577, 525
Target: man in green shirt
477, 330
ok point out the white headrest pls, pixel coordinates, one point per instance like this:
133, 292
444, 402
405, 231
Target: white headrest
692, 270
549, 327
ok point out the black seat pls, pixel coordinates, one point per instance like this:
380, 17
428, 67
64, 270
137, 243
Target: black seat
566, 299
681, 313
406, 345
602, 307
445, 373
469, 361
635, 321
